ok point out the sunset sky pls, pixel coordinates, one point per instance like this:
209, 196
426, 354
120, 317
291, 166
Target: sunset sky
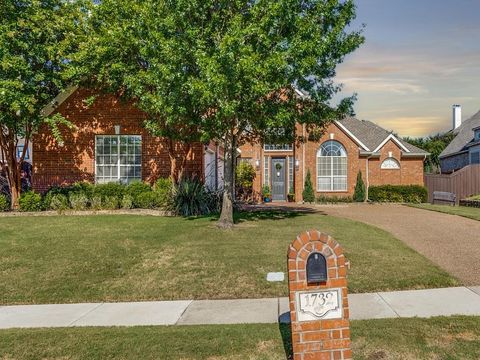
419, 58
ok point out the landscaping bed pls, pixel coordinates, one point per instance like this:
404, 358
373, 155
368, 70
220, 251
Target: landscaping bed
68, 259
392, 339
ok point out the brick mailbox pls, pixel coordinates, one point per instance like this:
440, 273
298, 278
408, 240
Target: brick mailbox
317, 281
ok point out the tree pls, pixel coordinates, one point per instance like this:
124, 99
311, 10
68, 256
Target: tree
145, 51
37, 39
360, 192
227, 70
263, 51
433, 144
308, 194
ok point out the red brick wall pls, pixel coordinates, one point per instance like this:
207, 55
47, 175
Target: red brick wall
74, 161
410, 173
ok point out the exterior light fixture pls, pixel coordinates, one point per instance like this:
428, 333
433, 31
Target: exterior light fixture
257, 163
297, 164
117, 129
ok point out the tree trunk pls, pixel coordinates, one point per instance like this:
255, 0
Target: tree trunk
13, 169
226, 216
177, 168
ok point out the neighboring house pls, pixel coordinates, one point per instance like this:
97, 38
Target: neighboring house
108, 144
346, 147
465, 147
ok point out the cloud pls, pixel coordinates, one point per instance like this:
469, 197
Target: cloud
396, 86
413, 125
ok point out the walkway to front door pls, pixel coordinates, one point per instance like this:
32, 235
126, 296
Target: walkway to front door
278, 176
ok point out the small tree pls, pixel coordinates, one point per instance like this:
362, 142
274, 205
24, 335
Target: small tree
360, 192
245, 174
308, 193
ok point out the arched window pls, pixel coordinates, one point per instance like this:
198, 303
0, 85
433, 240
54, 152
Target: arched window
390, 163
331, 167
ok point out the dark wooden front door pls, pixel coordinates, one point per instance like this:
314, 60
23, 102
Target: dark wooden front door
278, 179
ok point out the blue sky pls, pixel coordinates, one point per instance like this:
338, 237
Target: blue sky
419, 58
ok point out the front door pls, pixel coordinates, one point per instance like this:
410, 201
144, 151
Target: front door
278, 179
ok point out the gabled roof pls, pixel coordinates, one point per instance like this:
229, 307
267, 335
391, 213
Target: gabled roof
465, 135
372, 137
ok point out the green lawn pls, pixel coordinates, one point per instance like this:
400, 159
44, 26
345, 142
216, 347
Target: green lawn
465, 211
402, 339
64, 259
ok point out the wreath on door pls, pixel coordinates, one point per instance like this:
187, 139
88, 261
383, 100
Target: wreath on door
278, 166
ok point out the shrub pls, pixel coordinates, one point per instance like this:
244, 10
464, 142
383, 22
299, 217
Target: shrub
30, 201
4, 205
245, 174
58, 202
360, 192
96, 203
148, 200
78, 201
110, 202
127, 202
334, 199
109, 190
164, 189
81, 187
398, 193
308, 194
135, 188
191, 198
266, 191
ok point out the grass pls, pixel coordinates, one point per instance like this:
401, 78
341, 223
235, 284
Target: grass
405, 339
465, 211
65, 259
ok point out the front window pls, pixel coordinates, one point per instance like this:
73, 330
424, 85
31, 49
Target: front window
390, 163
278, 147
118, 158
331, 167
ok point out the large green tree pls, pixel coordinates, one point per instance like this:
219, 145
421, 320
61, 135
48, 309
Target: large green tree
223, 69
37, 39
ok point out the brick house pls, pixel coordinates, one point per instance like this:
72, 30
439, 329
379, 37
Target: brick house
109, 143
346, 147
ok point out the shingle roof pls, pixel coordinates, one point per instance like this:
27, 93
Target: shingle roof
372, 135
465, 135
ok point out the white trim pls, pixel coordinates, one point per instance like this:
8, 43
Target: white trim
349, 133
58, 100
391, 137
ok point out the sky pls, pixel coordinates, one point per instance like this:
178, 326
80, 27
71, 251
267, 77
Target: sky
419, 58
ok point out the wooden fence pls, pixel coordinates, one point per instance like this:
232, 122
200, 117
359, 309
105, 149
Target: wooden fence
463, 183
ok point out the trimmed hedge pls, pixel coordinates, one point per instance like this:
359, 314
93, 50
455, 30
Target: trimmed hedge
398, 193
30, 201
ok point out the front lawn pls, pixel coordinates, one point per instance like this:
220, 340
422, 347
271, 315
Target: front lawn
65, 259
465, 211
393, 339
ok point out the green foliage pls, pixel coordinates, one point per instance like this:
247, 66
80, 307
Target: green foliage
245, 174
266, 191
434, 145
96, 202
398, 193
148, 200
31, 201
135, 189
110, 202
109, 190
78, 201
192, 199
322, 199
4, 205
58, 202
360, 191
164, 189
37, 43
127, 202
308, 193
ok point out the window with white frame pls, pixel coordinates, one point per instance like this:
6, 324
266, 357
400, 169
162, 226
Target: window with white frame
266, 170
290, 174
278, 147
118, 158
390, 163
331, 167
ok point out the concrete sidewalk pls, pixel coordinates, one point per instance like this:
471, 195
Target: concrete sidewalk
421, 303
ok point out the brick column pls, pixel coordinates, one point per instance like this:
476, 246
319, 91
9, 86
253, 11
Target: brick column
319, 311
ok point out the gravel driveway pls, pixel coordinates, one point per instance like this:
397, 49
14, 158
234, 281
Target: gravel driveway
451, 241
